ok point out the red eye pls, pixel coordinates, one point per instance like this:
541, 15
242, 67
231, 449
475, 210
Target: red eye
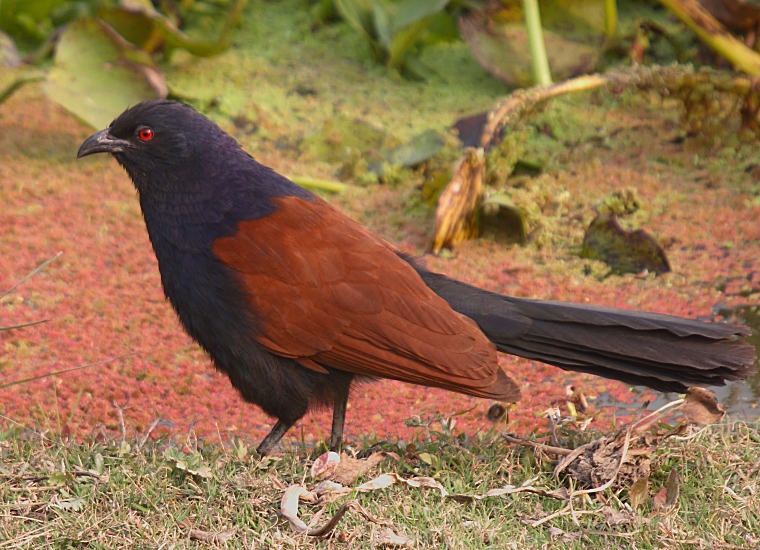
146, 134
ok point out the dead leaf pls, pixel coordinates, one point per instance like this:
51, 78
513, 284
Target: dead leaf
388, 538
325, 465
457, 213
496, 412
701, 407
638, 494
624, 251
673, 489
658, 500
614, 517
348, 469
213, 537
328, 487
289, 510
734, 14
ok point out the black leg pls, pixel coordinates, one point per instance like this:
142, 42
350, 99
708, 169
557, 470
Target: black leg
273, 437
339, 417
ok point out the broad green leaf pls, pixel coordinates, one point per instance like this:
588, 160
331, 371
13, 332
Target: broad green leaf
403, 40
149, 29
357, 13
31, 17
97, 74
382, 24
574, 34
416, 150
409, 12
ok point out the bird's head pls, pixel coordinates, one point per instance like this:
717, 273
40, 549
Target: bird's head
157, 136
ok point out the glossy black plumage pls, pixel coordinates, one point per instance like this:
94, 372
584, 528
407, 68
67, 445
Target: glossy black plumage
293, 300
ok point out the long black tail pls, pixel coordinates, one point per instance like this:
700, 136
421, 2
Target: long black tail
662, 352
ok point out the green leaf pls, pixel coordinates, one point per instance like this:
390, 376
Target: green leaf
28, 17
403, 40
638, 494
357, 13
382, 24
416, 150
97, 74
149, 29
409, 12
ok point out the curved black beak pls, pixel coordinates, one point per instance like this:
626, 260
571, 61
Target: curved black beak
102, 142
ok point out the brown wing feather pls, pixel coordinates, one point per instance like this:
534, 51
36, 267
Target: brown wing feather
330, 293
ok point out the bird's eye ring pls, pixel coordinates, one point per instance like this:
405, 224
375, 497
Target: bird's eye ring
145, 134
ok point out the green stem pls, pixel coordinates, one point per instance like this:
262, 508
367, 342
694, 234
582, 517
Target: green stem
541, 73
715, 35
319, 184
610, 18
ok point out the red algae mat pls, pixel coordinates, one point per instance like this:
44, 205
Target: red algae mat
104, 302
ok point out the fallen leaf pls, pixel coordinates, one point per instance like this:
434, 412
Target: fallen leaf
386, 537
658, 500
325, 465
614, 517
349, 468
289, 510
700, 406
673, 488
213, 537
639, 493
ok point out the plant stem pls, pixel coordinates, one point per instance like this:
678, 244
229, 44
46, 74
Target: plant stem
320, 184
610, 18
715, 35
541, 73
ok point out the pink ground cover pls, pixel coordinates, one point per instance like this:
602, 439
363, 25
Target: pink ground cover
103, 296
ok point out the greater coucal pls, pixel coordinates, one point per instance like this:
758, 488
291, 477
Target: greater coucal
295, 301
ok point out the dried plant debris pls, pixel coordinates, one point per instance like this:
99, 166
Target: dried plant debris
700, 406
624, 251
343, 469
457, 214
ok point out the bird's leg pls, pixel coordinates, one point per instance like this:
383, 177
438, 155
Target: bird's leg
339, 417
273, 437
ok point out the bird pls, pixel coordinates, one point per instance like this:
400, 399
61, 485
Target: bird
296, 302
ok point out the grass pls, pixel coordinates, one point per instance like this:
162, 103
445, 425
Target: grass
182, 491
135, 494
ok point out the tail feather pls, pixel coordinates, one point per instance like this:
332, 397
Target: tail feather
662, 352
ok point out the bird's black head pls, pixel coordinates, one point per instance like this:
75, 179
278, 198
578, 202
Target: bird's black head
158, 137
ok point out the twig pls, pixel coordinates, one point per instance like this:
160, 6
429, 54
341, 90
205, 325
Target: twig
96, 364
562, 512
658, 412
560, 451
30, 275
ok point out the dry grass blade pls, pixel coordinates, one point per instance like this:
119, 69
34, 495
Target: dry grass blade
219, 537
289, 509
